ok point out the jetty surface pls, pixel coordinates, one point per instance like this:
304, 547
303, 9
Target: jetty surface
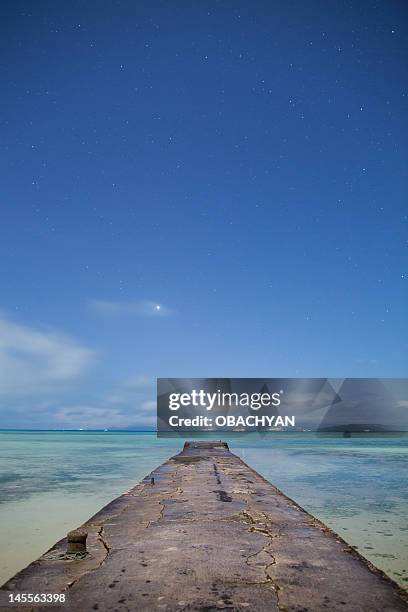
208, 533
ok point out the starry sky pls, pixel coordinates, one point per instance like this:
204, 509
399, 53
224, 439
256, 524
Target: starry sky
197, 189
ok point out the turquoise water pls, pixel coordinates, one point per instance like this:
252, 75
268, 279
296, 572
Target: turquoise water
52, 481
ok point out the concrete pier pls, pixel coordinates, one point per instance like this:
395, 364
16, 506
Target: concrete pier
208, 533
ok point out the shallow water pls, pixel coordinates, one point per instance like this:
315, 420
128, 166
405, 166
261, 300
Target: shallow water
51, 482
357, 486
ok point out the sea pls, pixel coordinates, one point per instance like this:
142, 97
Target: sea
52, 481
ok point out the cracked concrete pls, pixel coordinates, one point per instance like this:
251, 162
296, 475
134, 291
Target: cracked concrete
210, 534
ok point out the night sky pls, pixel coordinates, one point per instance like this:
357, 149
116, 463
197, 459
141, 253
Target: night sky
197, 189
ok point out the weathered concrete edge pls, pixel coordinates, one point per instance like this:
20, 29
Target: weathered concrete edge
39, 568
348, 548
96, 545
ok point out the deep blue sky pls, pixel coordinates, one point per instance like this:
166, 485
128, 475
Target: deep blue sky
240, 164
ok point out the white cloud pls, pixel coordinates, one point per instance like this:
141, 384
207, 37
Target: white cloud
32, 360
127, 405
106, 416
91, 417
41, 384
129, 392
140, 308
139, 382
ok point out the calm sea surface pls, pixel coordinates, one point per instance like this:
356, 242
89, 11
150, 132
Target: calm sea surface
50, 482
